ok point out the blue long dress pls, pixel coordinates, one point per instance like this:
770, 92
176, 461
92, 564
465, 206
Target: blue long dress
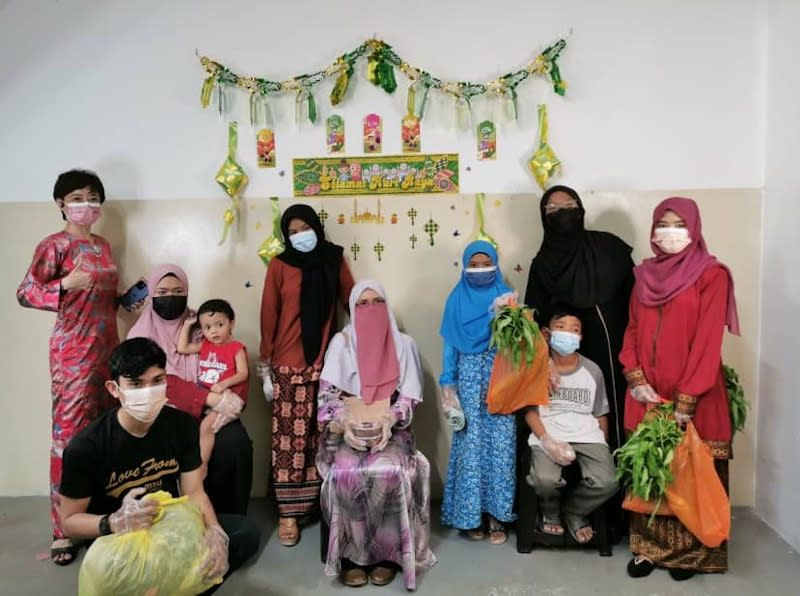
481, 473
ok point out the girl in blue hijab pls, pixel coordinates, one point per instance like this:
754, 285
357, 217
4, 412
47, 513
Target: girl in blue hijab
482, 468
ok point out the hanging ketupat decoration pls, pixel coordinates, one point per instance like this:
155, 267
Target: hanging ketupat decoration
544, 164
273, 245
482, 235
232, 179
382, 61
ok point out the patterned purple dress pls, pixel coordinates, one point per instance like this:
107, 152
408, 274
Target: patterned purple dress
377, 504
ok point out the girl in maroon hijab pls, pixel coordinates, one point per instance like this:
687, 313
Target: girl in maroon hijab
682, 300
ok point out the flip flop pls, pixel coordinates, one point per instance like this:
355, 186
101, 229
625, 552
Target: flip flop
497, 536
476, 534
551, 521
63, 555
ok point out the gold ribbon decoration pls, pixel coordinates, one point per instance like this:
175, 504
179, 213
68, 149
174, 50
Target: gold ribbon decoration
273, 245
232, 178
482, 235
544, 164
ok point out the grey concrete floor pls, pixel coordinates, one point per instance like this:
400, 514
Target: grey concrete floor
760, 564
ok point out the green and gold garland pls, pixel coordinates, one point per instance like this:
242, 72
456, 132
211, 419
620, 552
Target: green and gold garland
382, 61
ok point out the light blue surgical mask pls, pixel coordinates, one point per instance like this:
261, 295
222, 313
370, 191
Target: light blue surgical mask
564, 342
481, 276
304, 241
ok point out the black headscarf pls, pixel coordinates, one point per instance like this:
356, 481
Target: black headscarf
320, 283
574, 265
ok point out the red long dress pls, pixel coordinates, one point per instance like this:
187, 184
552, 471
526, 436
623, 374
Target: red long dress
676, 347
83, 338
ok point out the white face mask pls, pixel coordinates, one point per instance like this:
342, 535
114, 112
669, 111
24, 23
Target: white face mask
671, 240
144, 404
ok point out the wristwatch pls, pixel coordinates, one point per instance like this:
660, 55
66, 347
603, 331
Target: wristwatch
104, 526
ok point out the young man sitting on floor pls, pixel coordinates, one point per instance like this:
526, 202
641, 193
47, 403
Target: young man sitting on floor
138, 448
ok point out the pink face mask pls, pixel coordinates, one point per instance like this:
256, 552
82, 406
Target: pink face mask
83, 214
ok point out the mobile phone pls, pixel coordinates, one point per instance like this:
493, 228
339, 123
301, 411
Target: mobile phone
134, 294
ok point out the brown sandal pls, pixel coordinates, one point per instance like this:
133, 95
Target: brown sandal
497, 532
288, 532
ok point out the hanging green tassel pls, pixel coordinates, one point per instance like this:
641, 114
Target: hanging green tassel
222, 100
340, 87
559, 84
312, 108
208, 88
386, 75
424, 100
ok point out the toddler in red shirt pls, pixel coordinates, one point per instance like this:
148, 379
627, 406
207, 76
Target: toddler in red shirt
223, 360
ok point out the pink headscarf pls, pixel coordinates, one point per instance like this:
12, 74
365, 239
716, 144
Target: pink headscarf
371, 357
165, 333
661, 278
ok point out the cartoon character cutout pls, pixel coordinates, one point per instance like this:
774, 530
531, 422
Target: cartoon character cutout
355, 171
334, 128
372, 134
265, 148
487, 140
411, 134
344, 171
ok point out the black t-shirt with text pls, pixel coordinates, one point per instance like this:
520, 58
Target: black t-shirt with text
104, 461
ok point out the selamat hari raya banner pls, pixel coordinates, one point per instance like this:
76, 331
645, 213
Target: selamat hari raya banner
375, 175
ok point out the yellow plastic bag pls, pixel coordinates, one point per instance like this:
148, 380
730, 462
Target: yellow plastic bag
163, 560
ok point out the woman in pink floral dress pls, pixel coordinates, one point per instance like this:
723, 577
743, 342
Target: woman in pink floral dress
73, 275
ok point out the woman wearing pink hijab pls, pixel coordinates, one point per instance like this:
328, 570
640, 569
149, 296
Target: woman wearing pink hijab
375, 490
682, 300
230, 469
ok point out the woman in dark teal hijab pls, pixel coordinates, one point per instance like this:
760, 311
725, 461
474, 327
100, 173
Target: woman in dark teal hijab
482, 469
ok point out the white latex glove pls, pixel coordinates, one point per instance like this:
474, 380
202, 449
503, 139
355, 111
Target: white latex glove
265, 372
215, 565
682, 419
228, 409
503, 300
553, 378
645, 394
387, 421
559, 451
134, 513
452, 408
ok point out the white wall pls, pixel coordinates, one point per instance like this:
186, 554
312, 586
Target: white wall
778, 449
661, 94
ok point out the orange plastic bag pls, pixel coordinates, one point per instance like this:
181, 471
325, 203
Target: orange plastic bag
511, 389
696, 494
639, 505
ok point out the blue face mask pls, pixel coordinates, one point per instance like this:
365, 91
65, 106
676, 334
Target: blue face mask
304, 241
480, 277
564, 342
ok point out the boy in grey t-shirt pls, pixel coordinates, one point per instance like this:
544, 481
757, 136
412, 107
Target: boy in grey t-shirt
574, 425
